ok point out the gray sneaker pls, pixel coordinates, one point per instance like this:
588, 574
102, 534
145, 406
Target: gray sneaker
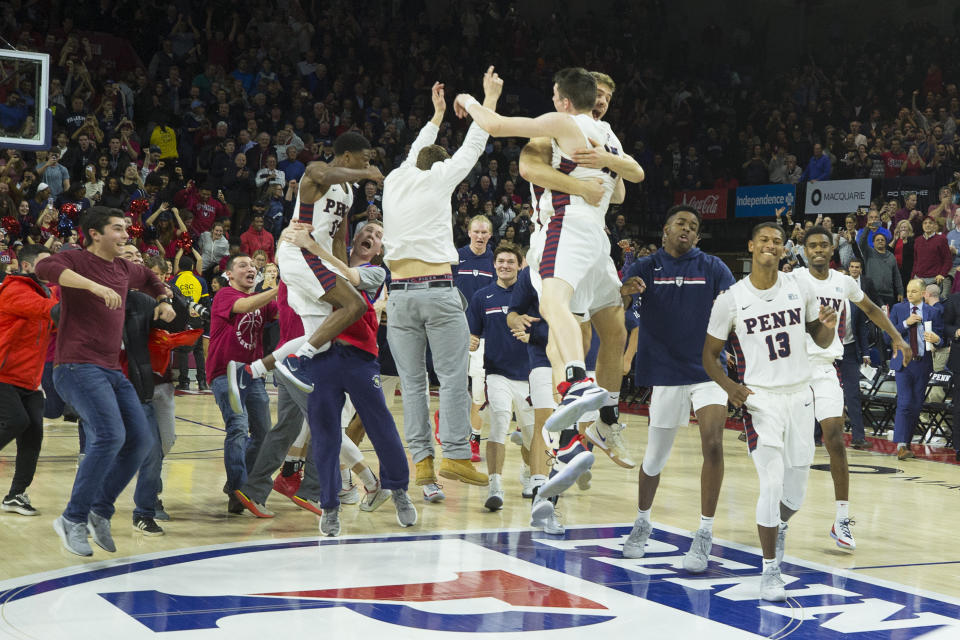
406, 512
772, 588
698, 557
781, 542
374, 498
73, 535
330, 522
633, 546
99, 528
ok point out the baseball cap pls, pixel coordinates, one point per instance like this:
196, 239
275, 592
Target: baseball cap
42, 186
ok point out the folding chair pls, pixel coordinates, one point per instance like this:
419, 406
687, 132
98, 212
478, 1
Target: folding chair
935, 408
879, 401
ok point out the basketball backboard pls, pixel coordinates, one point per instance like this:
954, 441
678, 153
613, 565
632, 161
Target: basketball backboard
25, 119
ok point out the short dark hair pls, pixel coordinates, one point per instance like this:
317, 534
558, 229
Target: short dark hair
430, 155
153, 179
96, 219
232, 259
30, 252
578, 86
186, 263
350, 141
511, 248
817, 230
857, 260
767, 225
678, 208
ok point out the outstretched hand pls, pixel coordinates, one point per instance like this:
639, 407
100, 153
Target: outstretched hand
439, 102
492, 85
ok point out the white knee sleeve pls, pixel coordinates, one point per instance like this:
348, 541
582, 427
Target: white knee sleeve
659, 444
794, 486
301, 440
349, 453
770, 469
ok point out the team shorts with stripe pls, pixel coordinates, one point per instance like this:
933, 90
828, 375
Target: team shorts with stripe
541, 388
781, 420
506, 397
670, 405
477, 374
827, 393
308, 278
575, 248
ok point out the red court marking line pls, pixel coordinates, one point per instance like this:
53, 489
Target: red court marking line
502, 585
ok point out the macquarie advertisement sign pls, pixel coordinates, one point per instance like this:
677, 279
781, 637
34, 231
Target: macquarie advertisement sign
711, 204
837, 196
764, 200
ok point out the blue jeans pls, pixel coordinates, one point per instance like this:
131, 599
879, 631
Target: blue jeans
245, 431
116, 436
148, 480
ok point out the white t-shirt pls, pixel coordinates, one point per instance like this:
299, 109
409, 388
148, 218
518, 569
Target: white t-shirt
837, 291
769, 328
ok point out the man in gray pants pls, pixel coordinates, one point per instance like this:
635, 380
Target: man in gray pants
424, 306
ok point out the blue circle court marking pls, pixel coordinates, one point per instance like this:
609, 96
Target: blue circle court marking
512, 582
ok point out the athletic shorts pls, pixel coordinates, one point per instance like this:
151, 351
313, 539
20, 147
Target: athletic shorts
827, 393
541, 388
307, 280
507, 396
670, 405
782, 420
477, 374
575, 248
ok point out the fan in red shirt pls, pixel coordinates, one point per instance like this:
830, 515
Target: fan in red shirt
256, 238
205, 208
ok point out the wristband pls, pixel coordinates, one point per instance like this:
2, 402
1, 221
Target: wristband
470, 101
169, 301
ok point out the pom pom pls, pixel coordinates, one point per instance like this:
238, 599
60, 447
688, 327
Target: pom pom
135, 231
71, 210
12, 226
185, 242
64, 226
138, 207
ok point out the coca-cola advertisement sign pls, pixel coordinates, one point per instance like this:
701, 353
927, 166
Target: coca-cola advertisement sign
711, 204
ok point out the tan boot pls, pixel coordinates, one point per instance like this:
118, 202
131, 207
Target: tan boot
425, 474
464, 471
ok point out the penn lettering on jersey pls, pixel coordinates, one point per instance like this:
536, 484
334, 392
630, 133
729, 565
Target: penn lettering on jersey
775, 320
835, 303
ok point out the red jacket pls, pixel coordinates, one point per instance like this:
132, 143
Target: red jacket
25, 328
251, 241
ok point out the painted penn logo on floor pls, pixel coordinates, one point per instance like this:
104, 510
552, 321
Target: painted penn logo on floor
514, 584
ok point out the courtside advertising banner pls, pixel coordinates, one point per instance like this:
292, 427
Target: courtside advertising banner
837, 196
764, 200
711, 204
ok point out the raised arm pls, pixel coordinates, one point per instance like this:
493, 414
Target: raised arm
254, 302
428, 134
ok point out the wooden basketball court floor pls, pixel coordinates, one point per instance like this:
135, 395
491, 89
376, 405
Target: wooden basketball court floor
906, 514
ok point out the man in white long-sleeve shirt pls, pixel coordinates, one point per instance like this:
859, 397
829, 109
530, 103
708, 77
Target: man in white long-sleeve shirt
424, 306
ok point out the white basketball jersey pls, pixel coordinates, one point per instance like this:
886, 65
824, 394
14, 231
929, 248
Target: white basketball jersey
550, 202
836, 291
770, 335
326, 214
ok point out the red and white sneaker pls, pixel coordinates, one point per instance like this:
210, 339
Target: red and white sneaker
475, 447
579, 397
288, 485
841, 533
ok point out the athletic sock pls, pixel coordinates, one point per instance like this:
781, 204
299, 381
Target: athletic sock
475, 434
257, 370
307, 350
291, 465
769, 563
843, 510
368, 479
643, 515
782, 525
575, 370
537, 479
706, 523
495, 481
345, 480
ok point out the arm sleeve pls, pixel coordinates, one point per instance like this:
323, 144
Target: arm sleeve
371, 278
452, 170
427, 136
145, 280
24, 302
50, 268
722, 316
475, 315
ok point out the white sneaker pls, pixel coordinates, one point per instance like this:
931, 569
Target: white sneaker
349, 496
781, 542
526, 481
583, 482
633, 545
494, 498
374, 498
540, 511
568, 475
516, 437
698, 557
552, 524
433, 493
579, 397
841, 533
772, 588
609, 437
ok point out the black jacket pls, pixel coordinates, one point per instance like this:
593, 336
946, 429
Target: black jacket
951, 322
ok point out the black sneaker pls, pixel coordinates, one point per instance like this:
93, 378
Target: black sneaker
183, 386
202, 386
234, 505
147, 526
19, 503
860, 445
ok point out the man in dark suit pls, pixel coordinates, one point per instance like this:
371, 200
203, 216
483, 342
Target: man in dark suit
951, 325
921, 327
855, 271
856, 350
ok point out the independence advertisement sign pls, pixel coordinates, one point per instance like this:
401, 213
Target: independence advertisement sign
837, 196
764, 200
